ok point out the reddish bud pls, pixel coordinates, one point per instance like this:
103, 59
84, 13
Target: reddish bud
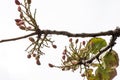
21, 15
63, 57
20, 23
31, 39
70, 40
54, 46
29, 56
17, 20
34, 55
29, 1
83, 42
51, 65
19, 8
76, 41
64, 52
17, 2
38, 62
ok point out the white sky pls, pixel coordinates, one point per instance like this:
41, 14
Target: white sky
71, 15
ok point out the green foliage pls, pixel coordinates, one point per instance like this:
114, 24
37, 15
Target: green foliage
105, 73
101, 74
111, 59
95, 44
108, 69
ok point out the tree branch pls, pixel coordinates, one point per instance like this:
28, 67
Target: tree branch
17, 38
65, 33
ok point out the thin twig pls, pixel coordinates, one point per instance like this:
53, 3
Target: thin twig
17, 38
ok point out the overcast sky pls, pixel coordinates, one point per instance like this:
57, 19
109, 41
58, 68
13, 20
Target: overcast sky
76, 16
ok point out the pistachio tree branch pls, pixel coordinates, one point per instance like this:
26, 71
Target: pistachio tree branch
17, 38
66, 33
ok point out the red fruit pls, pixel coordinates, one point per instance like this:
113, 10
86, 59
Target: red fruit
17, 2
51, 65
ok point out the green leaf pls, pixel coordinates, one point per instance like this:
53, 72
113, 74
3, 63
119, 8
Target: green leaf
112, 73
102, 74
105, 73
111, 59
95, 44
